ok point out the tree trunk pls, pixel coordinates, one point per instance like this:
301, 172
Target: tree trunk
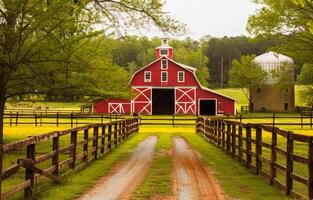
222, 71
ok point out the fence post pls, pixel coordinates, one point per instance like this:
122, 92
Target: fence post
248, 146
86, 133
109, 136
10, 118
240, 142
274, 119
310, 169
258, 150
30, 175
223, 135
301, 120
55, 158
124, 129
228, 138
35, 119
219, 133
57, 118
311, 125
273, 156
115, 134
74, 148
233, 137
41, 119
173, 121
95, 142
72, 120
16, 119
103, 139
289, 163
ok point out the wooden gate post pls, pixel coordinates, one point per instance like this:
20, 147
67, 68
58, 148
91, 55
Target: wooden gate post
310, 167
233, 139
223, 135
258, 149
110, 137
228, 138
57, 118
16, 119
74, 149
95, 142
115, 134
86, 133
289, 163
30, 175
35, 119
273, 156
124, 129
103, 139
248, 146
55, 158
240, 142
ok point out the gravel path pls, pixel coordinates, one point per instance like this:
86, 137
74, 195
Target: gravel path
192, 179
122, 182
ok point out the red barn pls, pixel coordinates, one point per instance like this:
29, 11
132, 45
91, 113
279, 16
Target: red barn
168, 87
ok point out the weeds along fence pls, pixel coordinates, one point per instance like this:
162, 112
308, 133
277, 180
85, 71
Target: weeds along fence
71, 149
284, 158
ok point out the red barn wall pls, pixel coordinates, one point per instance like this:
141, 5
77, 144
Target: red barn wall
102, 106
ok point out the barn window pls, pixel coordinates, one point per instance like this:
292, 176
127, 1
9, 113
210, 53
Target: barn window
164, 64
181, 77
147, 76
163, 76
164, 52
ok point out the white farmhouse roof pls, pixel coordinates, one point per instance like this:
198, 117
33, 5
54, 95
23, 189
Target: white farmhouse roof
272, 57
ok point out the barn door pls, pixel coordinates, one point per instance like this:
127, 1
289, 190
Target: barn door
185, 102
142, 103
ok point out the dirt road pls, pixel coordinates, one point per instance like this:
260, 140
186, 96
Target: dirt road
123, 181
192, 179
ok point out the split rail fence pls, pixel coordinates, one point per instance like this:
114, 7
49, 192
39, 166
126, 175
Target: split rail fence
72, 149
274, 158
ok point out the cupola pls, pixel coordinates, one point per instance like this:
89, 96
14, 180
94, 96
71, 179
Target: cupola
164, 50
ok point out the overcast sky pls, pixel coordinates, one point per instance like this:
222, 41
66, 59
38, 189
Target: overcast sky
212, 17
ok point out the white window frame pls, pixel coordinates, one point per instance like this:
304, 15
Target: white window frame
162, 77
167, 50
183, 76
162, 64
147, 80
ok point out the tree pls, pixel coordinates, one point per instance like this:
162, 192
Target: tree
40, 40
247, 75
306, 78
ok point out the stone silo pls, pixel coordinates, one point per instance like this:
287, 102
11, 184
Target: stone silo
271, 97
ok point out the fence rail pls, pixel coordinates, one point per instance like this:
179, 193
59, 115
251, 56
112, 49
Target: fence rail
83, 148
244, 142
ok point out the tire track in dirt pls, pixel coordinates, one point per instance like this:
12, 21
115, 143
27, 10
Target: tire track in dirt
122, 182
192, 179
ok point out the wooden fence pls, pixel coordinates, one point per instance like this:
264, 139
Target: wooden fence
73, 119
82, 149
244, 142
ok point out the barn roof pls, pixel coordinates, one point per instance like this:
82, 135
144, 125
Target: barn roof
190, 69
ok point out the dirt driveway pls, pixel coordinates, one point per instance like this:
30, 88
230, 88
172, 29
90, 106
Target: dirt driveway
192, 179
122, 182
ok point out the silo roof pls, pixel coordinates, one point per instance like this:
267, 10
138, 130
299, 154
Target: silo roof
272, 57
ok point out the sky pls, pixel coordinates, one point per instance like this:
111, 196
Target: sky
217, 18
